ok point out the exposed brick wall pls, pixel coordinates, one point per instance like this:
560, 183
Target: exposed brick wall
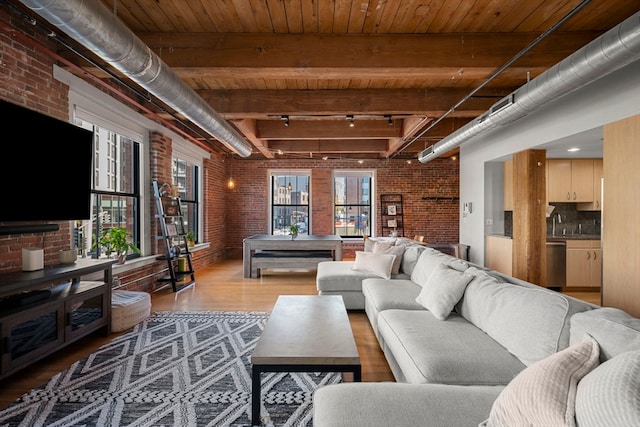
230, 215
248, 205
26, 79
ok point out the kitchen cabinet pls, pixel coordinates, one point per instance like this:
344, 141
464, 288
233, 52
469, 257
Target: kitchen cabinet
584, 263
508, 185
570, 180
598, 173
499, 254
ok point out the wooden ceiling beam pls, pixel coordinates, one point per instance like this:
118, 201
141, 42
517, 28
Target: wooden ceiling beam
248, 128
235, 104
359, 51
327, 129
328, 146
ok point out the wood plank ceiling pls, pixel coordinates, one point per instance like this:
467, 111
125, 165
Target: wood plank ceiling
289, 74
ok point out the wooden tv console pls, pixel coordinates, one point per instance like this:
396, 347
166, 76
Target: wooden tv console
42, 311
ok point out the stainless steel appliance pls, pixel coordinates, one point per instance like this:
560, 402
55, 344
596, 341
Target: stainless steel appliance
556, 264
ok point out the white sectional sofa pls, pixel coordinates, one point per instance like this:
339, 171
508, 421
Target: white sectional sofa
469, 347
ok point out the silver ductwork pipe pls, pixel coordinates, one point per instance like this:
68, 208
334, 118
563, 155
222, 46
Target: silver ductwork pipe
93, 25
613, 50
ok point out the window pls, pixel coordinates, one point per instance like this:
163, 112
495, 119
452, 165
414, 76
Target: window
186, 177
115, 192
290, 201
352, 209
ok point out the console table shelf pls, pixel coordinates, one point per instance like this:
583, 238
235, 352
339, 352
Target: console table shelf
43, 311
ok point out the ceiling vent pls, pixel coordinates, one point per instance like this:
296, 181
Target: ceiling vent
615, 49
92, 24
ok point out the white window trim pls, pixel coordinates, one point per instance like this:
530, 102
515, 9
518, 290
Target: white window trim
372, 173
291, 172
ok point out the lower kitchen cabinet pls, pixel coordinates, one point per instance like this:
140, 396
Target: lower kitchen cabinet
584, 263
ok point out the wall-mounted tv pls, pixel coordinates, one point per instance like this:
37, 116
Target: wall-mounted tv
47, 168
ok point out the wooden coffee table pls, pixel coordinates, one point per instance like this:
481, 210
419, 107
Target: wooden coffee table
304, 333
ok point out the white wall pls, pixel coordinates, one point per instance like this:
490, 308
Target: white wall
611, 98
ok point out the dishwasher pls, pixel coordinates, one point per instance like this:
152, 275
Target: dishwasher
556, 264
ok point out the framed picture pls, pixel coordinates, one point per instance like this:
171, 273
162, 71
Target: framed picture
392, 223
391, 210
172, 230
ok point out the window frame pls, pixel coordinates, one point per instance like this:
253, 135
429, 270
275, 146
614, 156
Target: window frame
372, 218
272, 206
189, 194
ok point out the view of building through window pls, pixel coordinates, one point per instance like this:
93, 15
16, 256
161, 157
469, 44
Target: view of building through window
352, 205
115, 194
290, 202
185, 176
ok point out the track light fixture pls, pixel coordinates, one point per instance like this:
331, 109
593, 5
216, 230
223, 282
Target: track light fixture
389, 121
286, 120
351, 122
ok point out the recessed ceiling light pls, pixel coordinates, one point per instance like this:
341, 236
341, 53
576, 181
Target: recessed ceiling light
573, 149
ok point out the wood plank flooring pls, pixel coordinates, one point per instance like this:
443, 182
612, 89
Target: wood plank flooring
219, 287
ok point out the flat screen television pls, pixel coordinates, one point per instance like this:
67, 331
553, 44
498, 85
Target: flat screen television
47, 168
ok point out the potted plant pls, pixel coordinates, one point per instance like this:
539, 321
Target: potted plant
293, 230
191, 238
116, 241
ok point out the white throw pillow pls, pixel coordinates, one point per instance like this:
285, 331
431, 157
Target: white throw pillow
378, 264
397, 250
443, 290
544, 394
610, 394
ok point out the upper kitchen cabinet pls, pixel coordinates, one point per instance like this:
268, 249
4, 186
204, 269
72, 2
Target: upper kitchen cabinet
570, 180
598, 174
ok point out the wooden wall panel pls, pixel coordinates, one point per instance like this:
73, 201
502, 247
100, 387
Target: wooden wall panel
529, 221
621, 206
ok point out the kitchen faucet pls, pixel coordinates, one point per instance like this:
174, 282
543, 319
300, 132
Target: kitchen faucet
553, 227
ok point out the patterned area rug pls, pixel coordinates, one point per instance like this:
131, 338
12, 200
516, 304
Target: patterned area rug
174, 369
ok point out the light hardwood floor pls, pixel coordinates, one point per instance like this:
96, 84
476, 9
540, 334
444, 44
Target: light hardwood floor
219, 287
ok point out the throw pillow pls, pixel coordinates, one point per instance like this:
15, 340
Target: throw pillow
610, 394
443, 290
370, 242
378, 264
544, 394
397, 250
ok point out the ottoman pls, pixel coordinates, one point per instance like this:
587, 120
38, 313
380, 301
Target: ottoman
128, 308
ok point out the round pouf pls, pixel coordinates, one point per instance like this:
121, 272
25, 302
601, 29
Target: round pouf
128, 308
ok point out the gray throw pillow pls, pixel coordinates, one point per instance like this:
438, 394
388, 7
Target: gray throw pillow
610, 394
443, 290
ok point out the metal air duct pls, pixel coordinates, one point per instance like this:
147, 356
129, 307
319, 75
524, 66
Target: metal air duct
613, 50
90, 23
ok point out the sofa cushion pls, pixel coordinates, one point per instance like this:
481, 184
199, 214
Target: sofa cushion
394, 293
443, 290
386, 404
428, 261
531, 322
615, 330
410, 258
339, 276
397, 250
378, 264
463, 355
610, 394
544, 394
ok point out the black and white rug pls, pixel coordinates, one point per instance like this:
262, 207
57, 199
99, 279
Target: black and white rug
174, 369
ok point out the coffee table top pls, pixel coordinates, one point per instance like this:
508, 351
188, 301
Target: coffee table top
307, 330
